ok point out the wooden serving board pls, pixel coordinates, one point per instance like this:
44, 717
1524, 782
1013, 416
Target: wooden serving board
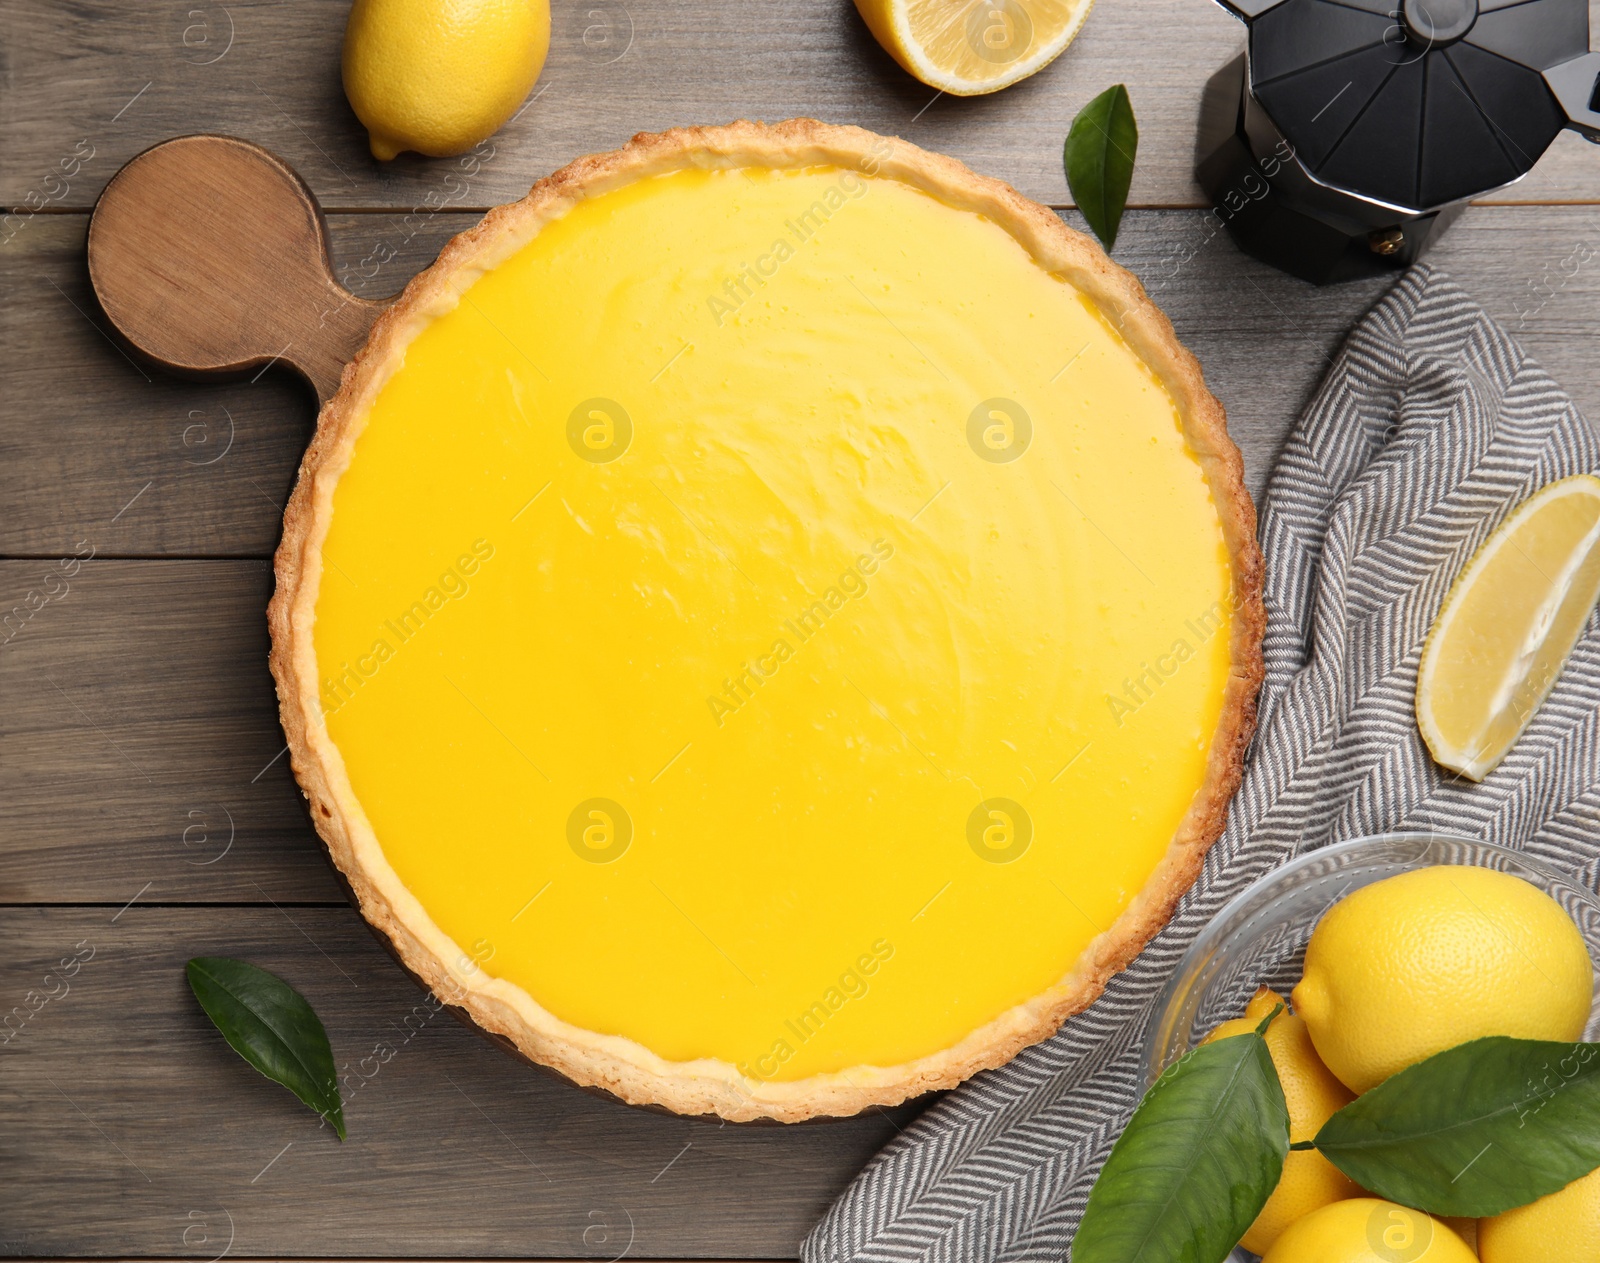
210, 256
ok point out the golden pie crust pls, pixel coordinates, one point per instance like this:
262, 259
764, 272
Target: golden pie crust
616, 1064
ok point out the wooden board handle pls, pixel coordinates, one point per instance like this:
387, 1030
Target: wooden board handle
210, 256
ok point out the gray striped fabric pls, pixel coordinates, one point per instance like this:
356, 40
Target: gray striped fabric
1429, 428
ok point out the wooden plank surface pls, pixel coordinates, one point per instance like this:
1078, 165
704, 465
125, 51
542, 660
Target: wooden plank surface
139, 742
143, 808
124, 1112
117, 78
136, 763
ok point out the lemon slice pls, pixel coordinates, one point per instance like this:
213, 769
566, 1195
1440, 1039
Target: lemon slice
1507, 627
968, 47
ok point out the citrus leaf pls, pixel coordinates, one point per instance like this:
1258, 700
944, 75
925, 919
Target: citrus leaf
1101, 146
1195, 1165
270, 1025
1475, 1130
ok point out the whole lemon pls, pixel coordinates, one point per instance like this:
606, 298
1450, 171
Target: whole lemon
1560, 1228
1368, 1230
438, 76
1415, 964
1309, 1180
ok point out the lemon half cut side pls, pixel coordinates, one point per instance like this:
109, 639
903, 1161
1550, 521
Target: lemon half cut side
969, 47
1507, 626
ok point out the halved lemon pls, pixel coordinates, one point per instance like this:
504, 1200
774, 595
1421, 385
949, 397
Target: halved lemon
1507, 626
968, 47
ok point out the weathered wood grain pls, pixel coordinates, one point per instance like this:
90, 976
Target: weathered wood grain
83, 430
115, 79
129, 1123
139, 740
138, 728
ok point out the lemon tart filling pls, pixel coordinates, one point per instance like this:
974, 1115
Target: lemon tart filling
700, 575
770, 622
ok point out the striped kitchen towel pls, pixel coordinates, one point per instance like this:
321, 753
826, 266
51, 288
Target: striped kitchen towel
1430, 427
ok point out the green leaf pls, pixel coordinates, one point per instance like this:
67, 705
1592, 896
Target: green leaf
1475, 1130
1197, 1162
1099, 154
270, 1025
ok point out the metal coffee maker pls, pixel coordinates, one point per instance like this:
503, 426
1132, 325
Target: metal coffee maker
1351, 133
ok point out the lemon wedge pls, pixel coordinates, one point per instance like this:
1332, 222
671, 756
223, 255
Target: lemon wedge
1507, 626
968, 47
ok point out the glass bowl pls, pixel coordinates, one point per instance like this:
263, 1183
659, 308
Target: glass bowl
1260, 937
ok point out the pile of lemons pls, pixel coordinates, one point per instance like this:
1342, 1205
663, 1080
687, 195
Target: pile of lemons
1394, 973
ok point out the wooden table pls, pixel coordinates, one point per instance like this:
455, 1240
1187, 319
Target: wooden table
149, 815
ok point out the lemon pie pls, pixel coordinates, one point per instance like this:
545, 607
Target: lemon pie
770, 622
